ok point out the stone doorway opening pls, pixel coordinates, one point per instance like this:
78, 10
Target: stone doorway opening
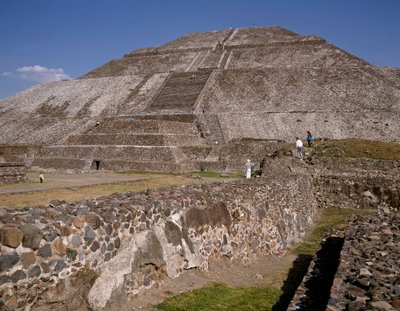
95, 165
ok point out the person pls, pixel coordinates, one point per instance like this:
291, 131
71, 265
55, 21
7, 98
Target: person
299, 146
41, 178
248, 168
309, 139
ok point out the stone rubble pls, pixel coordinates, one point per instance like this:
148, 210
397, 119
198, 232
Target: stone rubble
368, 277
366, 272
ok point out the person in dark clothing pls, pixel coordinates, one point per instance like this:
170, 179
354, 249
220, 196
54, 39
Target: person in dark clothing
309, 139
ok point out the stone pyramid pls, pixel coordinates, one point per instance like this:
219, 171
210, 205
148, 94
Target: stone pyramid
204, 101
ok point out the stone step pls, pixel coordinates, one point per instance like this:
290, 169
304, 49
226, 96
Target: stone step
172, 102
199, 59
137, 125
136, 139
123, 152
212, 59
181, 88
181, 91
211, 129
59, 163
106, 164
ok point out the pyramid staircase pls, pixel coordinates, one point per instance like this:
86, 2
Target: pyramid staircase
180, 92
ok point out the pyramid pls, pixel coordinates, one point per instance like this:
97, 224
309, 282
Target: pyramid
206, 101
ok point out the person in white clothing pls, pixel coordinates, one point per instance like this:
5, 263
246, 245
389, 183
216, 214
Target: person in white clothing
299, 147
248, 168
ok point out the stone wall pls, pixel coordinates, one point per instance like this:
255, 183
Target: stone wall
368, 274
85, 253
357, 183
357, 269
12, 173
18, 153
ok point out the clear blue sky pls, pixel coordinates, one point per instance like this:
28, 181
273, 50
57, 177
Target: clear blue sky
41, 40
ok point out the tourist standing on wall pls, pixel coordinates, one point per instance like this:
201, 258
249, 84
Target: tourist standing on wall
299, 147
248, 168
41, 178
309, 139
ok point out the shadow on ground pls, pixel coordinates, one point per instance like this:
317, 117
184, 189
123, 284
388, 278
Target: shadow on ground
295, 277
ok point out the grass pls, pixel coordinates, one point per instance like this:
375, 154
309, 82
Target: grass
218, 175
217, 296
350, 148
331, 218
75, 193
357, 148
74, 187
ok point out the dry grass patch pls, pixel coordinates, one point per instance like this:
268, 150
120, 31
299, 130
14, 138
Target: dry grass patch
43, 197
357, 148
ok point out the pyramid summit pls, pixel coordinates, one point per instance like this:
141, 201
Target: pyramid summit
203, 101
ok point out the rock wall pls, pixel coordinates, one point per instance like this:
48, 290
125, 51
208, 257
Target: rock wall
368, 275
11, 173
87, 253
357, 183
357, 269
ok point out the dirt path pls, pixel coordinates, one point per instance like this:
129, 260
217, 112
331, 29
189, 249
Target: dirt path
268, 270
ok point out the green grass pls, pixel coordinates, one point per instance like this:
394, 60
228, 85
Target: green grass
331, 218
218, 175
145, 173
217, 296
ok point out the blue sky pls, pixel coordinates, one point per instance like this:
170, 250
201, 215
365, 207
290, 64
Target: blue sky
45, 40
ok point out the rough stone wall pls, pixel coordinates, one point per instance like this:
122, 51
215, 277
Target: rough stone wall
196, 40
144, 64
357, 183
281, 103
357, 269
18, 153
128, 242
368, 277
12, 173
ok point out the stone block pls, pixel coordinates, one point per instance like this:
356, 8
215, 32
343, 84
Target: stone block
60, 265
173, 233
65, 230
8, 261
59, 247
18, 275
4, 279
35, 271
90, 235
95, 246
10, 236
50, 236
79, 222
93, 220
45, 251
45, 267
32, 236
28, 259
76, 241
